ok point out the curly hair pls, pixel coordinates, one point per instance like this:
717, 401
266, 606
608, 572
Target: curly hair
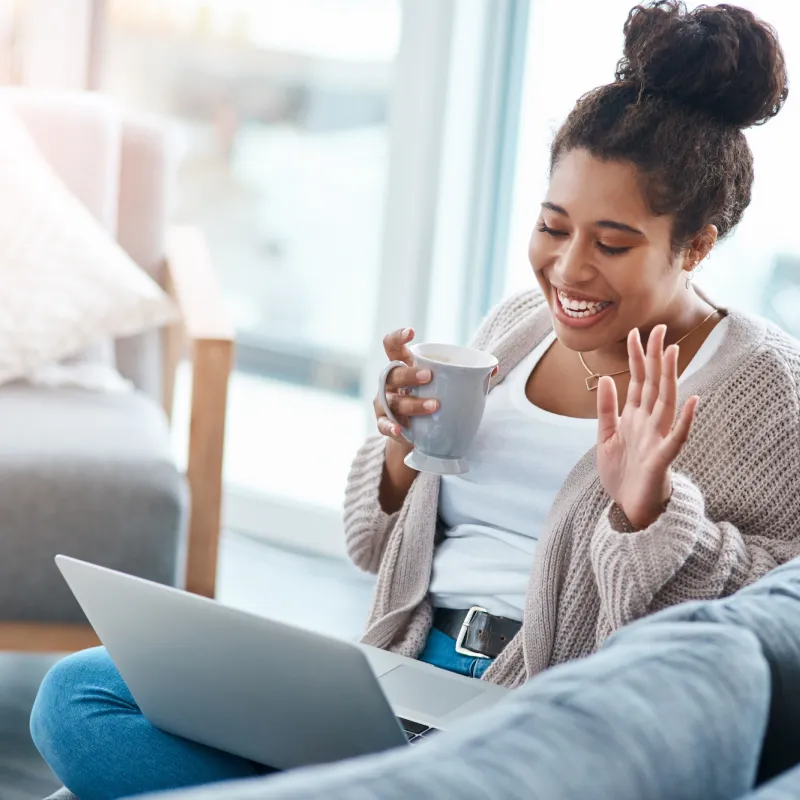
687, 85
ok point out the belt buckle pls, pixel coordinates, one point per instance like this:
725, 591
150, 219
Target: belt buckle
465, 651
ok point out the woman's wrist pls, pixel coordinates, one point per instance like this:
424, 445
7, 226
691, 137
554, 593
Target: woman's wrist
397, 477
644, 517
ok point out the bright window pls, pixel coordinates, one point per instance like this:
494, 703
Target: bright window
279, 111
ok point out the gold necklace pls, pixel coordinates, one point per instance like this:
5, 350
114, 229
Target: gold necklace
593, 380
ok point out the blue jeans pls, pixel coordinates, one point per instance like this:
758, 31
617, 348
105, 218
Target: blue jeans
440, 650
93, 736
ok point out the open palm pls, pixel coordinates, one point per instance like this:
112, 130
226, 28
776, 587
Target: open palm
635, 450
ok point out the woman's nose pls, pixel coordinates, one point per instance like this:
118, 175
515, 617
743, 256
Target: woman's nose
572, 264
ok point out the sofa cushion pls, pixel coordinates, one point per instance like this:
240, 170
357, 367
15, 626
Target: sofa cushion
636, 720
771, 609
89, 475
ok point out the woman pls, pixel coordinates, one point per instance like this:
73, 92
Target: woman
647, 174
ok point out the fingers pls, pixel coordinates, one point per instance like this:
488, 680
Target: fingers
406, 406
402, 377
387, 427
636, 362
395, 345
607, 416
399, 382
667, 403
678, 436
653, 367
403, 406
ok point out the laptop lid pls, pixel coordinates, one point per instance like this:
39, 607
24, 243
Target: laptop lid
257, 688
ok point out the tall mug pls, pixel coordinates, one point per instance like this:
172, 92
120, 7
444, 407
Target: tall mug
460, 382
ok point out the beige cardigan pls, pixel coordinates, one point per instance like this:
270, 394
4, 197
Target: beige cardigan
734, 512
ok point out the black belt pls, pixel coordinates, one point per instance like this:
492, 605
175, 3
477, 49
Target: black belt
476, 631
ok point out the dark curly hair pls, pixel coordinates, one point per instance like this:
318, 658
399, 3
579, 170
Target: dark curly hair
687, 85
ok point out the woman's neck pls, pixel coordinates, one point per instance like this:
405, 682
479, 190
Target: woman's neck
681, 321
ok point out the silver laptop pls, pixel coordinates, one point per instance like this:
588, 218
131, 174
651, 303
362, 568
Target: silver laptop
260, 689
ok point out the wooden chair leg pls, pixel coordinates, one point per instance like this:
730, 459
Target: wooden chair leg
41, 637
211, 363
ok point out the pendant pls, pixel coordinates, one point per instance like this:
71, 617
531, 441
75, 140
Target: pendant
592, 382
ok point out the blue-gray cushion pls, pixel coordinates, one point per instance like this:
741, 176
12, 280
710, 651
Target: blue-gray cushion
671, 710
770, 608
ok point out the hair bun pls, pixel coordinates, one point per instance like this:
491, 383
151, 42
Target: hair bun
719, 59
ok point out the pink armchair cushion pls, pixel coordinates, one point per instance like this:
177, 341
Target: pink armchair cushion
79, 135
144, 189
118, 166
65, 282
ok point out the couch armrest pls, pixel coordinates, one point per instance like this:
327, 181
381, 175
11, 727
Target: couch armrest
192, 282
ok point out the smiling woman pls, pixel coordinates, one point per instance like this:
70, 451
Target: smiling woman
677, 478
605, 264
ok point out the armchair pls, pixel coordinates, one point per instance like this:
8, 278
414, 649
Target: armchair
91, 474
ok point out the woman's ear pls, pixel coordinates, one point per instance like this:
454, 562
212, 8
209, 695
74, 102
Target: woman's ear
700, 246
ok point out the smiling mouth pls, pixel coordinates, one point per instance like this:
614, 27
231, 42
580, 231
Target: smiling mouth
579, 308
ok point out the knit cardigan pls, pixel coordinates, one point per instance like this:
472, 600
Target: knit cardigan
734, 513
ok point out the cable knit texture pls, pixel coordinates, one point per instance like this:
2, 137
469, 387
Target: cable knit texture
734, 513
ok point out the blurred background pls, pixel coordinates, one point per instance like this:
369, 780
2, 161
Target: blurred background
358, 165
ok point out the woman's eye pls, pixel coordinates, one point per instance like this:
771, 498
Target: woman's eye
542, 228
612, 251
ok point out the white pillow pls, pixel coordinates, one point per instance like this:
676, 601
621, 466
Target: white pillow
65, 284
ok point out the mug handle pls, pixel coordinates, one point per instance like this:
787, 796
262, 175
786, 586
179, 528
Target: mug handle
404, 432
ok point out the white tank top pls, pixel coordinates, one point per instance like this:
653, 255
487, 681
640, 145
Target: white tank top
492, 515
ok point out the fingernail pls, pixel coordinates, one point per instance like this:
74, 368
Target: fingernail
424, 375
431, 405
406, 332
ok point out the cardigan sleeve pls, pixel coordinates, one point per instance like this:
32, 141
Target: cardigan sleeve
366, 525
682, 556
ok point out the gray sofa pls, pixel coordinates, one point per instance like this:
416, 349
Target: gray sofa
698, 701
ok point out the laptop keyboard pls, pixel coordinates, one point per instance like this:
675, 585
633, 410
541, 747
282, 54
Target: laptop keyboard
416, 731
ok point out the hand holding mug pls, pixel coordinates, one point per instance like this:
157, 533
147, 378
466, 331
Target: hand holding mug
399, 383
433, 397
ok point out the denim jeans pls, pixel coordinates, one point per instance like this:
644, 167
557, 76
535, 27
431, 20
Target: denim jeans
93, 736
440, 650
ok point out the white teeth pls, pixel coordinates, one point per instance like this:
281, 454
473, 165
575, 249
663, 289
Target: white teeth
580, 308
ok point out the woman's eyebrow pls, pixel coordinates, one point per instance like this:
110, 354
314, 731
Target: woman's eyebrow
618, 226
603, 223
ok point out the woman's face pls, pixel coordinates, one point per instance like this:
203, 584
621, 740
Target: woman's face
603, 260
